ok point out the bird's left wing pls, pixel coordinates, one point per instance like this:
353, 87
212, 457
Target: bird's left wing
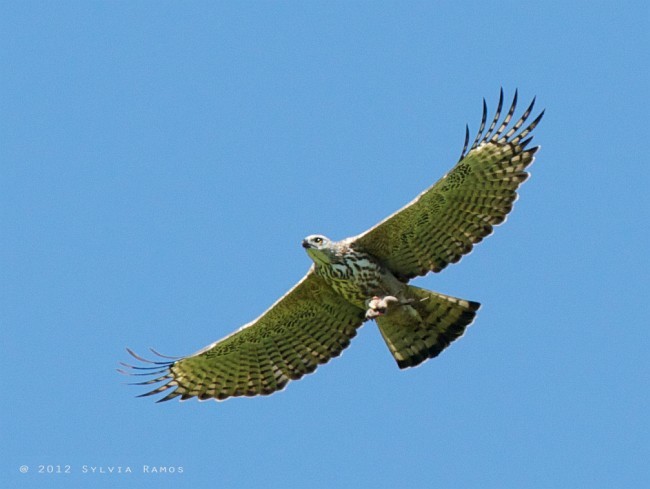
444, 222
306, 327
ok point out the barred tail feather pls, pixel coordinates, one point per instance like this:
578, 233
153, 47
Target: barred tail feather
425, 327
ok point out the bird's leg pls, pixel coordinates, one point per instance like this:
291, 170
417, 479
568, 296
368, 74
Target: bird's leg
377, 306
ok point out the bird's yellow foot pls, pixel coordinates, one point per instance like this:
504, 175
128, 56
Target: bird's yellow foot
377, 306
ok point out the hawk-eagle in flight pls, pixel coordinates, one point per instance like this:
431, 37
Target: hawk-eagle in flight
366, 277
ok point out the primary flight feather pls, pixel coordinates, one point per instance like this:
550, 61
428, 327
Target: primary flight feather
366, 277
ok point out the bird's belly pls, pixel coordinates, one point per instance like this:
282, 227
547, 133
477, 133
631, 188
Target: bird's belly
357, 281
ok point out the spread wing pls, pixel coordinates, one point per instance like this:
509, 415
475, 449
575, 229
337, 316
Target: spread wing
309, 325
444, 222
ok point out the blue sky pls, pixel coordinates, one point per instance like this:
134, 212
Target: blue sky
160, 164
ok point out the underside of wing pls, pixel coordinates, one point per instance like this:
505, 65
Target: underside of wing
308, 326
444, 222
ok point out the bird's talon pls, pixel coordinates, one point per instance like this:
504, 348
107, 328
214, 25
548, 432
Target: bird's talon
377, 306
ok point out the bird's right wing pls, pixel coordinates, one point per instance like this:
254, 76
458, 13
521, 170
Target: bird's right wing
309, 325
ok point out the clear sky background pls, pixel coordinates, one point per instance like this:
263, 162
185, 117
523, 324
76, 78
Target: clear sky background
161, 162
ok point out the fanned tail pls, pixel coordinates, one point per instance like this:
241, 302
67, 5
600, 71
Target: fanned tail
426, 326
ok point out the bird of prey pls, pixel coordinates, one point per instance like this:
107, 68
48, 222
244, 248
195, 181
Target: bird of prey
366, 277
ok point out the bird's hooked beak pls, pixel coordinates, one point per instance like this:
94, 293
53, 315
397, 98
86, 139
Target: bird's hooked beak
306, 244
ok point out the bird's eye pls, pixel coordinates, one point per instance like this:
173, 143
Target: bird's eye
318, 240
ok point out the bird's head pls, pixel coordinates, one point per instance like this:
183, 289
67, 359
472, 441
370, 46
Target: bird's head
319, 248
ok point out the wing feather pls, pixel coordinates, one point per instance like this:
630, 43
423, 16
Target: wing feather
444, 222
305, 328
